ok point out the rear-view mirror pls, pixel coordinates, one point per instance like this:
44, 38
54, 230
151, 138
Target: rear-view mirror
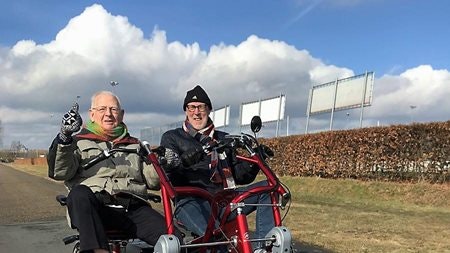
255, 124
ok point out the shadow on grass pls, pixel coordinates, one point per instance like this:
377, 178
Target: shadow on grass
301, 247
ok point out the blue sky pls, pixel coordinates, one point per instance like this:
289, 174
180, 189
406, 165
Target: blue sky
262, 47
379, 35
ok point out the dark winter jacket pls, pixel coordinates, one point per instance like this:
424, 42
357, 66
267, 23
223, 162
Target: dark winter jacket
199, 174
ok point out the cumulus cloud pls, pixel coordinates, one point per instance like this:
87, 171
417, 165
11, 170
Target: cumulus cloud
39, 82
424, 88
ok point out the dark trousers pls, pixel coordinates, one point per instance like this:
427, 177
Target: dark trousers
91, 218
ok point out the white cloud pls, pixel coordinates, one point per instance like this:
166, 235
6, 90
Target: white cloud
423, 87
39, 82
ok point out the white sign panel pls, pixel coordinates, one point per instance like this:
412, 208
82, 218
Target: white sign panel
349, 94
322, 98
221, 117
269, 110
248, 111
273, 109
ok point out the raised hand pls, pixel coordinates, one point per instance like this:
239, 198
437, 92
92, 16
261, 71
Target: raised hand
70, 123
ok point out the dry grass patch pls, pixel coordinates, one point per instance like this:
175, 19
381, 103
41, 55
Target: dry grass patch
355, 216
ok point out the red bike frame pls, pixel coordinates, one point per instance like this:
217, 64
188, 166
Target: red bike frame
226, 205
237, 228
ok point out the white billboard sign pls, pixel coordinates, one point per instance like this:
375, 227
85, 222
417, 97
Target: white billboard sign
342, 94
269, 110
248, 111
221, 117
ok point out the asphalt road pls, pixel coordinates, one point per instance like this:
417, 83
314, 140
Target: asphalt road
30, 218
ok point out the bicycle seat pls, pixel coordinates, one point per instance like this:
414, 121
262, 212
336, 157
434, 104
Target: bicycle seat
113, 235
148, 197
118, 235
62, 199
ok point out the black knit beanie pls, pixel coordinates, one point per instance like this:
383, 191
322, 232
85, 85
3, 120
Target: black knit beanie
197, 94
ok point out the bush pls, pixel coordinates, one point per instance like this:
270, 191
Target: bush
417, 152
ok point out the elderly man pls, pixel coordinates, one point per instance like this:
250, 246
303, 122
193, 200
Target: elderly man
91, 191
188, 166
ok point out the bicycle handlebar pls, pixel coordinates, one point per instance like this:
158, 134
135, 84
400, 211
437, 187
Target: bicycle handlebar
242, 140
227, 141
105, 154
109, 152
246, 141
102, 156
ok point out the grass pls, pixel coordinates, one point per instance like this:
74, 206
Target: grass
31, 169
354, 216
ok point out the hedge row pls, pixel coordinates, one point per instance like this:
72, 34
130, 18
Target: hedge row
396, 153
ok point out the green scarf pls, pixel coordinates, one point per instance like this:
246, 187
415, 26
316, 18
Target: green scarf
115, 134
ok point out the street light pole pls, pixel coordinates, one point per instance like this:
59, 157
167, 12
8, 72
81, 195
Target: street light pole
412, 107
346, 119
113, 84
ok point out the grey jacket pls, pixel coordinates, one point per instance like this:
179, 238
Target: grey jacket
120, 172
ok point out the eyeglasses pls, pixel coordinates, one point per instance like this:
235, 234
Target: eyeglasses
102, 109
201, 108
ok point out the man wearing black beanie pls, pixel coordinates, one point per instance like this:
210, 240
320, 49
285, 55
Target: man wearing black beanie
187, 165
197, 94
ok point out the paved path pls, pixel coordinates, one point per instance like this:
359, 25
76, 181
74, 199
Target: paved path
30, 218
24, 197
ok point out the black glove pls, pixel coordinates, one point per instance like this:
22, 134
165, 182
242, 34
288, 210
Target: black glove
231, 155
267, 152
71, 123
192, 156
